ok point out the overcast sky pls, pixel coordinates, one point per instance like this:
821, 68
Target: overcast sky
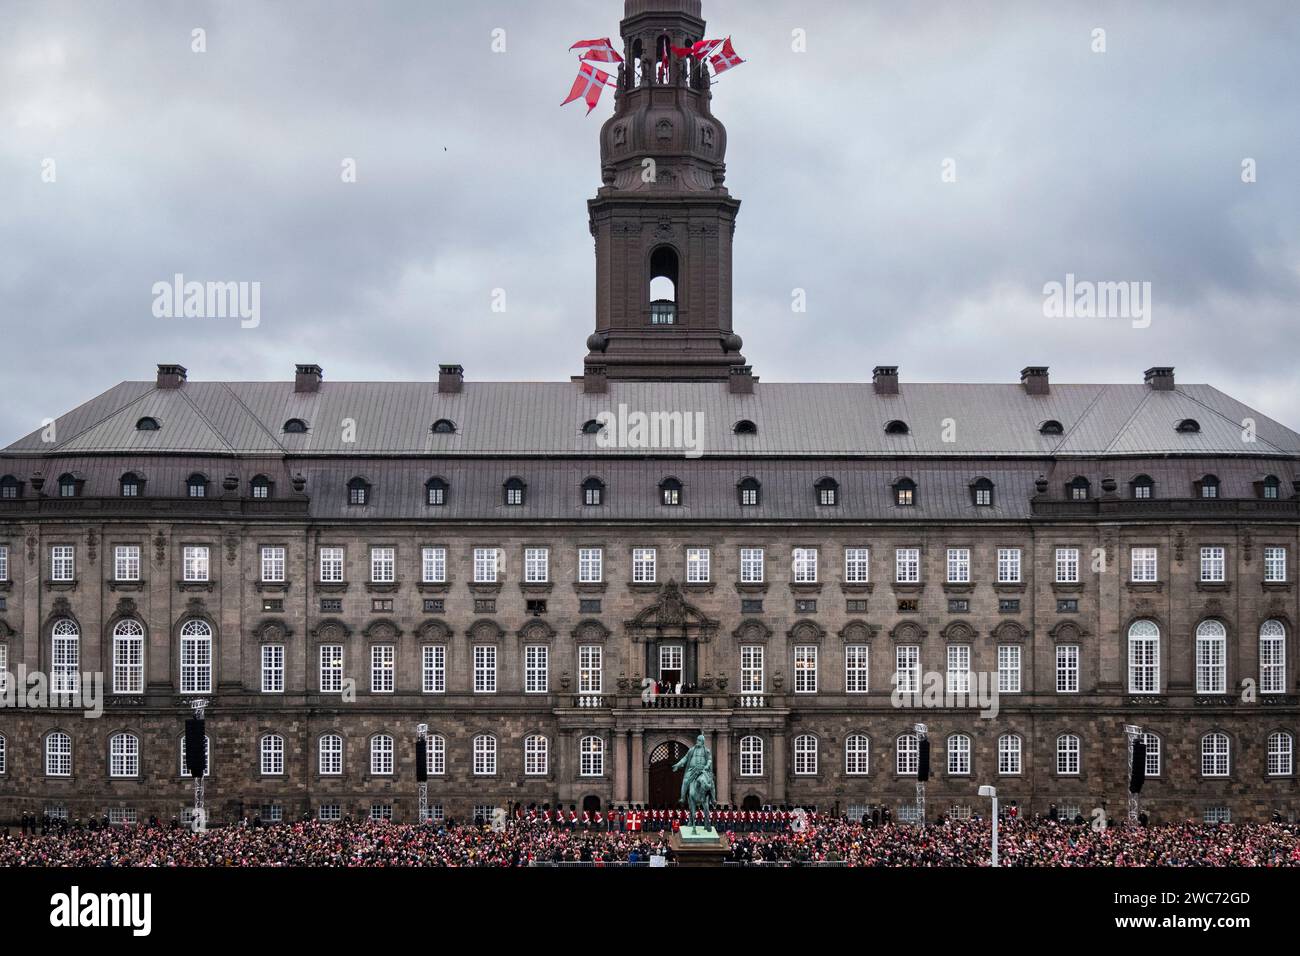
225, 165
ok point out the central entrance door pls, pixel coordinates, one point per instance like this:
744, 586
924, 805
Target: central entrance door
665, 782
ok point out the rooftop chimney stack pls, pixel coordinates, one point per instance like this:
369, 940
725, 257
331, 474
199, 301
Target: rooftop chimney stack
885, 379
307, 378
741, 381
171, 376
1034, 379
1160, 378
451, 378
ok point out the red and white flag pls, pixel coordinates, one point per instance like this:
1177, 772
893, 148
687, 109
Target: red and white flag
703, 48
726, 58
588, 85
602, 51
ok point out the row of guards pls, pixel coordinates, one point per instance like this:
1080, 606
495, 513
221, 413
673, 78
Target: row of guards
658, 820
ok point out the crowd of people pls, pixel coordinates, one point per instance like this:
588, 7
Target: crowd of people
818, 840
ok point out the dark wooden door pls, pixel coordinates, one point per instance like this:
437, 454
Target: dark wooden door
665, 782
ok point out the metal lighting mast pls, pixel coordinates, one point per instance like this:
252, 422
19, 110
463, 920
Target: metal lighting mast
1131, 734
200, 822
922, 735
422, 787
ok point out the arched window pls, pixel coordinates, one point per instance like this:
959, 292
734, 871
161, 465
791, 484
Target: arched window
58, 754
1009, 754
381, 755
260, 487
196, 657
485, 755
1051, 427
295, 426
1208, 487
670, 492
1211, 658
435, 752
435, 492
124, 755
131, 485
196, 486
749, 490
69, 486
10, 488
745, 427
907, 755
1143, 658
1078, 489
1215, 751
751, 756
905, 492
981, 491
958, 755
805, 755
147, 424
1281, 751
272, 754
1152, 742
358, 492
331, 755
857, 754
4, 754
1270, 487
1067, 755
592, 754
828, 492
515, 490
592, 427
1188, 426
1272, 658
663, 286
207, 751
1143, 487
65, 648
128, 657
593, 493
444, 426
897, 427
536, 755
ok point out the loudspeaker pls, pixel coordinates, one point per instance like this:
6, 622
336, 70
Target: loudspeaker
196, 753
923, 761
1139, 776
421, 761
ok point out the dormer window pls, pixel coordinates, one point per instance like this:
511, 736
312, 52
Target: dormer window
828, 492
592, 427
905, 492
1188, 426
260, 487
147, 424
749, 489
982, 492
1143, 487
358, 492
896, 428
295, 426
435, 492
10, 488
670, 492
444, 426
593, 493
745, 427
1270, 487
514, 492
131, 485
196, 486
1051, 427
1209, 487
1078, 489
69, 486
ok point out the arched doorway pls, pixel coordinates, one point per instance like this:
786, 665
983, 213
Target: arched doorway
591, 803
752, 802
665, 782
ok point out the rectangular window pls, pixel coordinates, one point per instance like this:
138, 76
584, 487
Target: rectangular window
331, 565
537, 565
128, 662
485, 565
63, 564
536, 666
1009, 754
590, 669
195, 561
959, 565
856, 566
1212, 564
958, 669
907, 565
381, 668
855, 668
751, 669
331, 668
4, 669
805, 565
272, 668
1008, 668
907, 668
591, 565
126, 563
1067, 668
1009, 605
1142, 562
383, 565
1274, 565
751, 565
805, 669
485, 669
1272, 660
4, 562
433, 565
273, 564
433, 668
643, 565
697, 565
1211, 664
1008, 565
1067, 565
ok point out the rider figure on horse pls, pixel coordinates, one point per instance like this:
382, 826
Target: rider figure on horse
698, 787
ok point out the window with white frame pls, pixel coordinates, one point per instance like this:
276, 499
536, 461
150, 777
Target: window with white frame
857, 754
128, 657
537, 755
907, 565
272, 668
383, 565
433, 668
273, 564
4, 668
1067, 755
381, 755
435, 754
1214, 755
1211, 658
1143, 658
958, 755
907, 755
381, 813
536, 668
1213, 567
126, 563
1067, 565
1008, 565
1008, 668
958, 679
196, 657
805, 755
1142, 563
591, 565
1067, 668
331, 565
537, 565
485, 565
590, 669
1272, 657
643, 565
1153, 754
751, 668
907, 668
670, 663
805, 669
272, 752
63, 562
331, 668
1009, 754
857, 565
433, 565
485, 755
485, 669
697, 565
331, 755
207, 758
124, 755
195, 563
58, 754
329, 813
805, 565
856, 669
751, 565
751, 756
4, 562
382, 668
959, 565
1281, 751
591, 751
1274, 565
65, 675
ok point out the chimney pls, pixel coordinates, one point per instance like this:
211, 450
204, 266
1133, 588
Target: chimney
306, 378
171, 376
1160, 378
595, 379
741, 381
451, 378
1034, 379
885, 378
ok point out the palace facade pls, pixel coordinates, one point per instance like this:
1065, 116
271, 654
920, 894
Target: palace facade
568, 581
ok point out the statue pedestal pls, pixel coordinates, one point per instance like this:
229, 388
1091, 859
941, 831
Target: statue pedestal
700, 848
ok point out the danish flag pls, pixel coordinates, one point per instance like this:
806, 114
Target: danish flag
726, 58
602, 51
588, 85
